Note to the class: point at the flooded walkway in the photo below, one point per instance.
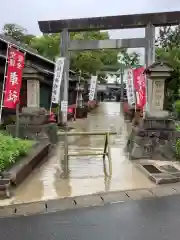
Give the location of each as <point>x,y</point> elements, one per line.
<point>86,173</point>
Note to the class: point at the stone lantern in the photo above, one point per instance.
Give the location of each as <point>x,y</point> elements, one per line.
<point>157,74</point>
<point>81,110</point>
<point>155,136</point>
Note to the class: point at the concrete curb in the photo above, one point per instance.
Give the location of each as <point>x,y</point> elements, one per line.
<point>99,199</point>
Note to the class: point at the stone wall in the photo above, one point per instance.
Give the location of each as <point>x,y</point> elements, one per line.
<point>153,139</point>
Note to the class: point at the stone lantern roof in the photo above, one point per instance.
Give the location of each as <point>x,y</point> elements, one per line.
<point>158,69</point>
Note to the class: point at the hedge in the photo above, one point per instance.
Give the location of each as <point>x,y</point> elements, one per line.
<point>11,149</point>
<point>178,144</point>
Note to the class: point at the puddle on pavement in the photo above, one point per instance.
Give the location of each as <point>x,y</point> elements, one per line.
<point>86,173</point>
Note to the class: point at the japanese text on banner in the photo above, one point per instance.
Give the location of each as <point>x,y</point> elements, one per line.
<point>92,88</point>
<point>140,87</point>
<point>130,88</point>
<point>59,67</point>
<point>14,77</point>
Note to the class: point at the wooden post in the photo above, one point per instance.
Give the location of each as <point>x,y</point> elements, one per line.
<point>86,133</point>
<point>17,120</point>
<point>66,156</point>
<point>109,155</point>
<point>107,180</point>
<point>106,151</point>
<point>104,156</point>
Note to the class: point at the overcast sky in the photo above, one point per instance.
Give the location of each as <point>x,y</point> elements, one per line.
<point>27,12</point>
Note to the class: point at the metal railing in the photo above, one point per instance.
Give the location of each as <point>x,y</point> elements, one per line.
<point>105,153</point>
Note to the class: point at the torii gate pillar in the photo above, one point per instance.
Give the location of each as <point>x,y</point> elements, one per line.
<point>64,44</point>
<point>149,60</point>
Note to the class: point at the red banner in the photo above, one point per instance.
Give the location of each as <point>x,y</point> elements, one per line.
<point>140,86</point>
<point>14,77</point>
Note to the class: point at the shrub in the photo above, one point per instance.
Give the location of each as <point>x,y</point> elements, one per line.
<point>11,149</point>
<point>178,148</point>
<point>177,108</point>
<point>178,143</point>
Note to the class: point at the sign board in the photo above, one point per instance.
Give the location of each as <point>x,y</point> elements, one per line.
<point>33,93</point>
<point>130,88</point>
<point>102,87</point>
<point>58,73</point>
<point>158,95</point>
<point>92,89</point>
<point>64,106</point>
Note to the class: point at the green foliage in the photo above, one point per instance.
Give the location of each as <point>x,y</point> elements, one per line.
<point>130,60</point>
<point>178,127</point>
<point>169,37</point>
<point>168,50</point>
<point>55,110</point>
<point>14,31</point>
<point>177,107</point>
<point>17,32</point>
<point>178,143</point>
<point>47,45</point>
<point>11,150</point>
<point>178,148</point>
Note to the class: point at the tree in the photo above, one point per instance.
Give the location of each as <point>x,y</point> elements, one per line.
<point>168,50</point>
<point>47,45</point>
<point>87,61</point>
<point>17,32</point>
<point>131,60</point>
<point>169,37</point>
<point>92,61</point>
<point>26,39</point>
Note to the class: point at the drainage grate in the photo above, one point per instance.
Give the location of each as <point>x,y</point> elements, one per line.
<point>151,168</point>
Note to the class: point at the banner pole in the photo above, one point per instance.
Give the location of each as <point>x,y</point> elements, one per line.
<point>18,105</point>
<point>77,95</point>
<point>3,86</point>
<point>17,120</point>
<point>50,109</point>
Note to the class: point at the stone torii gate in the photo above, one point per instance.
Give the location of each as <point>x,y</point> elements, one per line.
<point>148,21</point>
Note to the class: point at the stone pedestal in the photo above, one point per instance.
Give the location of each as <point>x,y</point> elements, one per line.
<point>154,138</point>
<point>34,124</point>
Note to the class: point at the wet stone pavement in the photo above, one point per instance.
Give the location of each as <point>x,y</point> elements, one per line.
<point>86,173</point>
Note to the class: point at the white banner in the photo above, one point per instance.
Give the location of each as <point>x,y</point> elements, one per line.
<point>130,88</point>
<point>58,73</point>
<point>92,89</point>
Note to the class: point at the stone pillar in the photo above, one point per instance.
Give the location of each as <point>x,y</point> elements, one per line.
<point>149,60</point>
<point>65,81</point>
<point>33,93</point>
